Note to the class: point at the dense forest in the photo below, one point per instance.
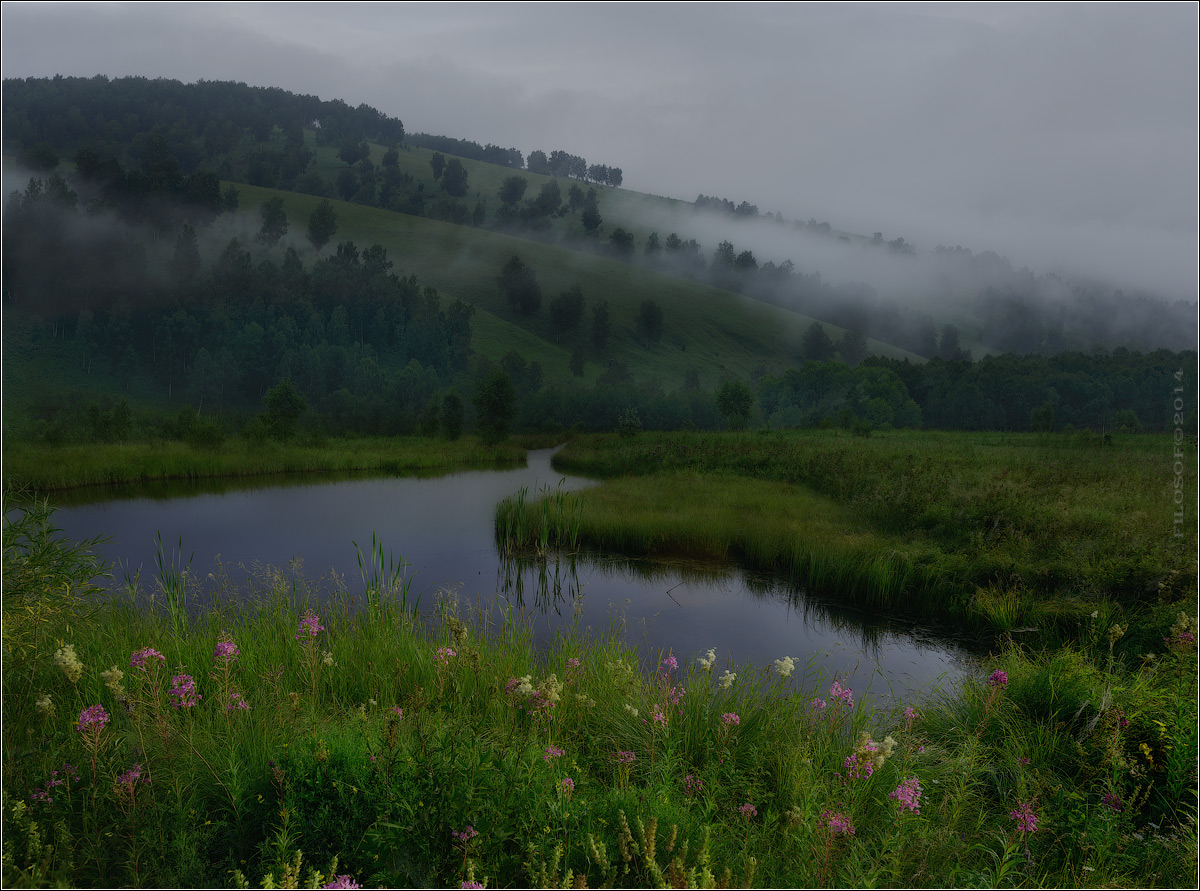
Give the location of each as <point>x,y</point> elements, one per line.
<point>102,257</point>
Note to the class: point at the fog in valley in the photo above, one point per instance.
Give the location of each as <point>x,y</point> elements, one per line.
<point>1062,138</point>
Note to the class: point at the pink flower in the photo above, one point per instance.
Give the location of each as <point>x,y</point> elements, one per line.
<point>342,882</point>
<point>471,885</point>
<point>998,678</point>
<point>730,719</point>
<point>310,626</point>
<point>748,810</point>
<point>183,691</point>
<point>237,702</point>
<point>567,784</point>
<point>842,694</point>
<point>444,655</point>
<point>839,824</point>
<point>626,757</point>
<point>552,752</point>
<point>692,784</point>
<point>139,659</point>
<point>1113,802</point>
<point>92,720</point>
<point>225,652</point>
<point>908,795</point>
<point>1025,817</point>
<point>466,835</point>
<point>131,776</point>
<point>397,711</point>
<point>573,665</point>
<point>669,663</point>
<point>859,765</point>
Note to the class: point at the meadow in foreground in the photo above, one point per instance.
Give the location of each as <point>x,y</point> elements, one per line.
<point>276,742</point>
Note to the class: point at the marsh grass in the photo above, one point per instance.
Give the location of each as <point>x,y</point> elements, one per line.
<point>45,468</point>
<point>378,737</point>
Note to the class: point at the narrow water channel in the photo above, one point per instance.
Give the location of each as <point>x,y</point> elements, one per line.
<point>443,527</point>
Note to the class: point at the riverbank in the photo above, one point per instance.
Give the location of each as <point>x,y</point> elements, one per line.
<point>147,750</point>
<point>1004,531</point>
<point>48,469</point>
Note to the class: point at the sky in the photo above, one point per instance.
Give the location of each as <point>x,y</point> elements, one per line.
<point>1063,136</point>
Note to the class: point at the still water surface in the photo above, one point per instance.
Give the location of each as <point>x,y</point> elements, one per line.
<point>443,527</point>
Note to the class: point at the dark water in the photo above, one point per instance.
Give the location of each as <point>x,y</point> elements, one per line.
<point>443,527</point>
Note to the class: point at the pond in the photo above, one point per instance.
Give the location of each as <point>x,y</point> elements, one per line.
<point>443,527</point>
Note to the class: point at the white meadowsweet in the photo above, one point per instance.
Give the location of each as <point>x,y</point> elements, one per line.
<point>45,706</point>
<point>706,661</point>
<point>327,659</point>
<point>785,666</point>
<point>629,708</point>
<point>112,679</point>
<point>66,659</point>
<point>726,680</point>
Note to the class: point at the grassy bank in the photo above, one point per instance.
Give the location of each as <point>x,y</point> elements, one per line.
<point>443,750</point>
<point>1008,529</point>
<point>49,468</point>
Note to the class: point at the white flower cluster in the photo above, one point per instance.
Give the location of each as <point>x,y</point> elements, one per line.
<point>69,663</point>
<point>112,680</point>
<point>785,666</point>
<point>45,706</point>
<point>706,662</point>
<point>629,708</point>
<point>726,680</point>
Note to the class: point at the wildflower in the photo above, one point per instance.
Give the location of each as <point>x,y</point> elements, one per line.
<point>112,680</point>
<point>342,882</point>
<point>372,703</point>
<point>327,659</point>
<point>692,784</point>
<point>444,655</point>
<point>466,835</point>
<point>659,717</point>
<point>584,699</point>
<point>858,765</point>
<point>92,720</point>
<point>397,711</point>
<point>817,705</point>
<point>45,706</point>
<point>629,708</point>
<point>237,702</point>
<point>310,626</point>
<point>471,885</point>
<point>183,691</point>
<point>669,663</point>
<point>908,795</point>
<point>567,784</point>
<point>730,719</point>
<point>842,694</point>
<point>143,656</point>
<point>458,630</point>
<point>66,659</point>
<point>748,810</point>
<point>551,689</point>
<point>1025,817</point>
<point>706,662</point>
<point>226,651</point>
<point>675,695</point>
<point>131,776</point>
<point>626,757</point>
<point>1023,761</point>
<point>573,665</point>
<point>998,678</point>
<point>1113,802</point>
<point>726,680</point>
<point>839,824</point>
<point>552,752</point>
<point>910,714</point>
<point>785,666</point>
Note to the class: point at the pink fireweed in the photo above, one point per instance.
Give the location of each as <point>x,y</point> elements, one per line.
<point>310,627</point>
<point>908,796</point>
<point>552,752</point>
<point>839,824</point>
<point>692,784</point>
<point>841,694</point>
<point>225,652</point>
<point>466,835</point>
<point>92,720</point>
<point>183,691</point>
<point>1026,819</point>
<point>342,882</point>
<point>131,776</point>
<point>748,810</point>
<point>859,765</point>
<point>142,659</point>
<point>237,702</point>
<point>397,711</point>
<point>567,784</point>
<point>61,777</point>
<point>669,663</point>
<point>573,665</point>
<point>998,678</point>
<point>730,719</point>
<point>1113,802</point>
<point>626,757</point>
<point>444,655</point>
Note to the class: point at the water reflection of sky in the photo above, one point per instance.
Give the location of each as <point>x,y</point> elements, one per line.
<point>443,527</point>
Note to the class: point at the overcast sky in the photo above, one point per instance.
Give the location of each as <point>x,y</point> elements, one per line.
<point>1064,136</point>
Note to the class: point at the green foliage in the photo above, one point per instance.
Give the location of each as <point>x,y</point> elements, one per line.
<point>452,416</point>
<point>495,404</point>
<point>519,286</point>
<point>736,402</point>
<point>285,405</point>
<point>454,180</point>
<point>650,321</point>
<point>274,222</point>
<point>322,225</point>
